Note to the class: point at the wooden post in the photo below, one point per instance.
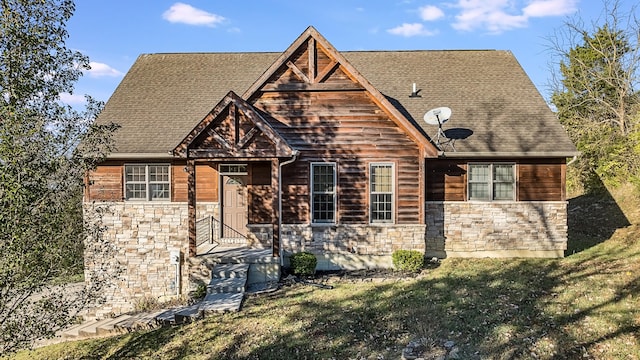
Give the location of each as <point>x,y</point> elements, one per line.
<point>191,199</point>
<point>422,185</point>
<point>275,185</point>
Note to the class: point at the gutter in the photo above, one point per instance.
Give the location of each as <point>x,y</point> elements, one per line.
<point>140,156</point>
<point>294,157</point>
<point>575,157</point>
<point>507,154</point>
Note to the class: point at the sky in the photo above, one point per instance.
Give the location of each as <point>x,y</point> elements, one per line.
<point>114,33</point>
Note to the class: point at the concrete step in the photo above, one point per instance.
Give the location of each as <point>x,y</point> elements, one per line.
<point>221,302</point>
<point>108,327</point>
<point>188,314</point>
<point>222,271</point>
<point>167,317</point>
<point>93,328</point>
<point>230,285</point>
<point>74,332</point>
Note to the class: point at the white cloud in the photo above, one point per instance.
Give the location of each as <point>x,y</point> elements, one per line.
<point>498,16</point>
<point>542,8</point>
<point>72,99</point>
<point>489,14</point>
<point>187,14</point>
<point>430,13</point>
<point>102,70</point>
<point>408,30</point>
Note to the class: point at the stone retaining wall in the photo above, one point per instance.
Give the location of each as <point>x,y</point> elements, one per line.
<point>352,246</point>
<point>141,236</point>
<point>496,229</point>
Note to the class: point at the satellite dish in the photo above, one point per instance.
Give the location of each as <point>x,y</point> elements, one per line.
<point>437,116</point>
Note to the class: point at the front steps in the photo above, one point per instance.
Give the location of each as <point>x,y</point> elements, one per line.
<point>225,292</point>
<point>108,327</point>
<point>233,272</point>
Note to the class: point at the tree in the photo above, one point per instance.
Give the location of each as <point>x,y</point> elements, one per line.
<point>597,98</point>
<point>41,170</point>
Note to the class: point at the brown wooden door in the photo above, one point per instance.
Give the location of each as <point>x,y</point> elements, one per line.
<point>234,206</point>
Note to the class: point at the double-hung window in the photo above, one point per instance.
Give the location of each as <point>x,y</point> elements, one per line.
<point>488,182</point>
<point>323,192</point>
<point>147,182</point>
<point>381,186</point>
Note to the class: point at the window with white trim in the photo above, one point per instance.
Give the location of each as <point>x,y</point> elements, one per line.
<point>381,191</point>
<point>489,181</point>
<point>323,192</point>
<point>147,182</point>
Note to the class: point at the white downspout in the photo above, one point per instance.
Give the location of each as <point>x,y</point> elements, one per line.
<point>293,158</point>
<point>575,157</point>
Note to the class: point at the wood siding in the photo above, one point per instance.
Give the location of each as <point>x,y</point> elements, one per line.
<point>206,182</point>
<point>541,180</point>
<point>537,179</point>
<point>260,194</point>
<point>349,129</point>
<point>446,180</point>
<point>106,183</point>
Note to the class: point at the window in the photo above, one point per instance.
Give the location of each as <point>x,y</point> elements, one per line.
<point>381,186</point>
<point>233,169</point>
<point>323,192</point>
<point>492,182</point>
<point>147,182</point>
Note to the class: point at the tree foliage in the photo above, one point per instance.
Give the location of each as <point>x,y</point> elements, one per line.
<point>597,98</point>
<point>41,169</point>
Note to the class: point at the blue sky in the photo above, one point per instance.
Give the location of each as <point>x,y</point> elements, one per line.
<point>114,33</point>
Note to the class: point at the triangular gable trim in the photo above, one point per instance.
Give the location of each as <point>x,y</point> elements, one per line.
<point>282,148</point>
<point>312,34</point>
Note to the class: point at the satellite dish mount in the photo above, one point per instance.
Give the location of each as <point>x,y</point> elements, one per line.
<point>439,116</point>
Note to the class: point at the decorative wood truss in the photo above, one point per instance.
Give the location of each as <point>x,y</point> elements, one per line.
<point>311,63</point>
<point>233,129</point>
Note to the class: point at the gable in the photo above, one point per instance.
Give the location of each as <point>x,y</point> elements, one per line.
<point>312,64</point>
<point>233,129</point>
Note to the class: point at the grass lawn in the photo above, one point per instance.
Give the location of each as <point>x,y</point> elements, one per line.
<point>585,306</point>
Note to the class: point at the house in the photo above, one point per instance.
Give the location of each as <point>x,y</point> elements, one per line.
<point>318,150</point>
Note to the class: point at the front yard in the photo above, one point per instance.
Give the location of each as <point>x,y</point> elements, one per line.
<point>586,306</point>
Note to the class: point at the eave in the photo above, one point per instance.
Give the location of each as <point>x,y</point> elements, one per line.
<point>507,154</point>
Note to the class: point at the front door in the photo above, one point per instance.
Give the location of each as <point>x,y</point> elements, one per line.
<point>234,206</point>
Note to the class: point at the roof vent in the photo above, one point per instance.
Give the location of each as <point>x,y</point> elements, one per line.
<point>415,92</point>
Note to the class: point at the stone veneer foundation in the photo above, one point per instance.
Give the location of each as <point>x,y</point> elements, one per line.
<point>142,236</point>
<point>496,229</point>
<point>352,246</point>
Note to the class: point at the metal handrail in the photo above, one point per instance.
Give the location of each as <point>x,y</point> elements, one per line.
<point>207,230</point>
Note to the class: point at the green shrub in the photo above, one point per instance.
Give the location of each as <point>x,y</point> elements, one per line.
<point>408,260</point>
<point>199,292</point>
<point>303,263</point>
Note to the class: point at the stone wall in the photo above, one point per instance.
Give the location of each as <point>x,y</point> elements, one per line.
<point>141,236</point>
<point>352,246</point>
<point>260,236</point>
<point>496,229</point>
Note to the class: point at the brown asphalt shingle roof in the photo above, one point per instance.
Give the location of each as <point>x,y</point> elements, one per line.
<point>163,96</point>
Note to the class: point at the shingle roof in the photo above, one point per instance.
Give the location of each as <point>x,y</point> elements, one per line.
<point>163,96</point>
